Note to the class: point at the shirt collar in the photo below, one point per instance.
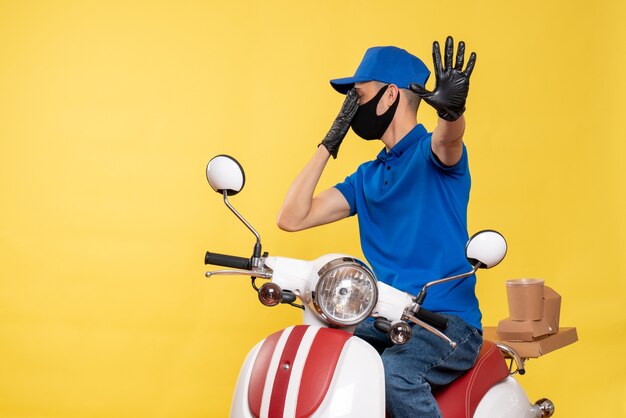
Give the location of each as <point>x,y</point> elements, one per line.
<point>405,143</point>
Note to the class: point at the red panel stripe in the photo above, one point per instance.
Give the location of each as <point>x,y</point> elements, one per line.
<point>259,372</point>
<point>281,381</point>
<point>319,369</point>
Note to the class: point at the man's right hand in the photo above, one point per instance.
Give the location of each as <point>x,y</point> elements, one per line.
<point>452,83</point>
<point>340,127</point>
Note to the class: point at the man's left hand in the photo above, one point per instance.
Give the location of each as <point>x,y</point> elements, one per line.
<point>452,83</point>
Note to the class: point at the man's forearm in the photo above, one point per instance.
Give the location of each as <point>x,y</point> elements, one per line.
<point>450,132</point>
<point>447,141</point>
<point>299,198</point>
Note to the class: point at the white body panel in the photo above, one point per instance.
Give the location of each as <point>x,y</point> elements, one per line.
<point>299,277</point>
<point>291,274</point>
<point>239,408</point>
<point>391,302</point>
<point>358,387</point>
<point>507,399</point>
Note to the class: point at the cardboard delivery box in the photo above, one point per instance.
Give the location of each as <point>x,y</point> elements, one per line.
<point>551,308</point>
<point>510,330</point>
<point>530,337</point>
<point>529,330</point>
<point>539,347</point>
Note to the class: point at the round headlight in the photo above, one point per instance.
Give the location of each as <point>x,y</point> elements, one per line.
<point>346,291</point>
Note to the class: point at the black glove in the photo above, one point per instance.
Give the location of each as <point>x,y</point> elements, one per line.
<point>340,127</point>
<point>452,84</point>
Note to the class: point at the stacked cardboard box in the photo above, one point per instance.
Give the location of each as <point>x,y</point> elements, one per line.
<point>533,338</point>
<point>529,329</point>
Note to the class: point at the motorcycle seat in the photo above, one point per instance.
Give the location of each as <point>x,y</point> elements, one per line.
<point>461,398</point>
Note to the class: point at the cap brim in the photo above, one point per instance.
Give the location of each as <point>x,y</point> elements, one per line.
<point>343,85</point>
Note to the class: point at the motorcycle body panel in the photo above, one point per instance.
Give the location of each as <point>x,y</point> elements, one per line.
<point>507,399</point>
<point>330,374</point>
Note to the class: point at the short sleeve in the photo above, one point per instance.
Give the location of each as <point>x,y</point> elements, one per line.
<point>347,189</point>
<point>460,168</point>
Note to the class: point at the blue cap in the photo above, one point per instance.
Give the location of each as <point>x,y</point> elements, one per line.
<point>387,64</point>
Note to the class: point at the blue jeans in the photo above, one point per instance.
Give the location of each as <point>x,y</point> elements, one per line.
<point>424,363</point>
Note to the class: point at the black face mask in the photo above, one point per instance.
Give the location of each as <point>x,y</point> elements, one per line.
<point>367,124</point>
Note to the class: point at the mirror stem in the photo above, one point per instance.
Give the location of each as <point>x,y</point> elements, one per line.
<point>257,246</point>
<point>419,300</point>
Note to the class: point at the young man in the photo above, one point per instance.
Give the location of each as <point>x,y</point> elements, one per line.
<point>411,203</point>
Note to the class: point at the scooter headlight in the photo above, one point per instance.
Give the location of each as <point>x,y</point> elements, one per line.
<point>346,292</point>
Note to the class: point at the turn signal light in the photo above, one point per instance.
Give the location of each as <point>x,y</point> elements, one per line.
<point>270,294</point>
<point>400,333</point>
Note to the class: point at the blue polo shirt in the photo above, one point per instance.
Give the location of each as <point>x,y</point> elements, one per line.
<point>412,213</point>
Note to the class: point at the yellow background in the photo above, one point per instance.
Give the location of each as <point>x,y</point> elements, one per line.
<point>110,110</point>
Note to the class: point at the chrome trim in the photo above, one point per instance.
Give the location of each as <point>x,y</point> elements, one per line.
<point>447,279</point>
<point>546,407</point>
<point>512,354</point>
<point>338,263</point>
<point>241,218</point>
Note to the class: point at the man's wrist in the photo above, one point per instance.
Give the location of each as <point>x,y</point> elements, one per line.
<point>324,150</point>
<point>450,131</point>
<point>450,115</point>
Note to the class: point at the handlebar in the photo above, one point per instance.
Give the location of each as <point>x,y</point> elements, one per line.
<point>226,260</point>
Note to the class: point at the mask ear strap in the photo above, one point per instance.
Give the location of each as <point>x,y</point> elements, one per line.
<point>379,95</point>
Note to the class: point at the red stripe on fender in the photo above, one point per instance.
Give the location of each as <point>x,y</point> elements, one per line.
<point>281,381</point>
<point>259,372</point>
<point>319,369</point>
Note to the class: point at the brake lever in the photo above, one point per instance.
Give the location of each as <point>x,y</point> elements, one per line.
<point>252,273</point>
<point>434,330</point>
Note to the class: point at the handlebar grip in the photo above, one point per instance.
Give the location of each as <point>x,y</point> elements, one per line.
<point>225,260</point>
<point>432,318</point>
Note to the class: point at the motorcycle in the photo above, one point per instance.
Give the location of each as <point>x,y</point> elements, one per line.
<point>319,368</point>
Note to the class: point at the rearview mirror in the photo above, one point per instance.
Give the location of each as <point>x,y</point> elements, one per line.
<point>225,174</point>
<point>487,248</point>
